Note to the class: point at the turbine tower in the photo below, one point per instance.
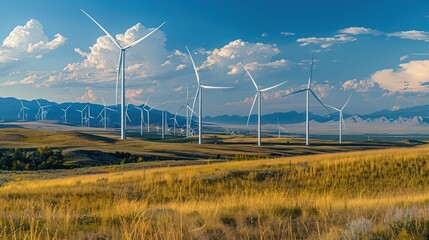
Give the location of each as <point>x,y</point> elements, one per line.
<point>148,114</point>
<point>88,120</point>
<point>259,98</point>
<point>81,115</point>
<point>199,94</point>
<point>65,113</point>
<point>121,69</point>
<point>341,122</point>
<point>308,90</point>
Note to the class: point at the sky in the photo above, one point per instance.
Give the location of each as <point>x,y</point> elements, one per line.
<point>378,51</point>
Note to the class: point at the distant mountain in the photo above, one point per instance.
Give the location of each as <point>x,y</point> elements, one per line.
<point>11,107</point>
<point>283,118</point>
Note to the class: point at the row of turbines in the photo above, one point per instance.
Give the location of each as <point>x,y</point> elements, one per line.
<point>85,119</point>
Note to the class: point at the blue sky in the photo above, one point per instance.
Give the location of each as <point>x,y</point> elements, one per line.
<point>376,50</point>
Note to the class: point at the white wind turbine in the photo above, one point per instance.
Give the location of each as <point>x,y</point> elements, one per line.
<point>148,114</point>
<point>65,113</point>
<point>42,113</point>
<point>121,67</point>
<point>175,123</point>
<point>22,111</point>
<point>279,127</point>
<point>142,117</point>
<point>308,90</point>
<point>258,97</point>
<point>88,119</point>
<point>199,94</point>
<point>341,122</point>
<point>81,115</point>
<point>103,113</point>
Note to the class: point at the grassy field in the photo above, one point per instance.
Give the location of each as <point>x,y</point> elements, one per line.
<point>90,147</point>
<point>378,194</point>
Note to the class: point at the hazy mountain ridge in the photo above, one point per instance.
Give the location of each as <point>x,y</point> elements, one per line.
<point>11,106</point>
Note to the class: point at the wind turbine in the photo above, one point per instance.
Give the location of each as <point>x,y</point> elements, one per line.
<point>308,90</point>
<point>142,109</point>
<point>148,115</point>
<point>121,66</point>
<point>279,127</point>
<point>104,112</point>
<point>175,123</point>
<point>42,113</point>
<point>65,113</point>
<point>199,94</point>
<point>259,98</point>
<point>81,114</point>
<point>22,111</point>
<point>341,116</point>
<point>88,119</point>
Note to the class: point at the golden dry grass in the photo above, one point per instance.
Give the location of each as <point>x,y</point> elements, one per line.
<point>381,194</point>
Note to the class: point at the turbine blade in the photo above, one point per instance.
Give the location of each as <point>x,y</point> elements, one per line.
<point>319,100</point>
<point>251,78</point>
<point>190,109</point>
<point>141,39</point>
<point>104,103</point>
<point>104,30</point>
<point>100,113</point>
<point>302,90</point>
<point>345,104</point>
<point>311,71</point>
<point>152,107</point>
<point>336,109</point>
<point>110,109</point>
<point>195,99</point>
<point>145,104</point>
<point>195,68</point>
<point>278,85</point>
<point>118,76</point>
<point>251,109</point>
<point>214,87</point>
<point>342,120</point>
<point>68,107</point>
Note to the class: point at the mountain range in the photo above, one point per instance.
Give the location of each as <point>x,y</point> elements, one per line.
<point>11,107</point>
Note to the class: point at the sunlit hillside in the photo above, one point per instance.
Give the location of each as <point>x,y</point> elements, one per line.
<point>380,194</point>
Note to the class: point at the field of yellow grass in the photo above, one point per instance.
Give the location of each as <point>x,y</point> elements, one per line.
<point>379,194</point>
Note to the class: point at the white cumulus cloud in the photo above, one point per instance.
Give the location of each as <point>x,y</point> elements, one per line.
<point>358,86</point>
<point>408,77</point>
<point>256,56</point>
<point>28,42</point>
<point>89,96</point>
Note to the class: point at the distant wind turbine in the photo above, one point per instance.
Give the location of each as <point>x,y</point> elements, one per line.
<point>81,115</point>
<point>22,111</point>
<point>341,121</point>
<point>199,94</point>
<point>65,113</point>
<point>308,90</point>
<point>121,67</point>
<point>142,116</point>
<point>42,112</point>
<point>258,96</point>
<point>104,112</point>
